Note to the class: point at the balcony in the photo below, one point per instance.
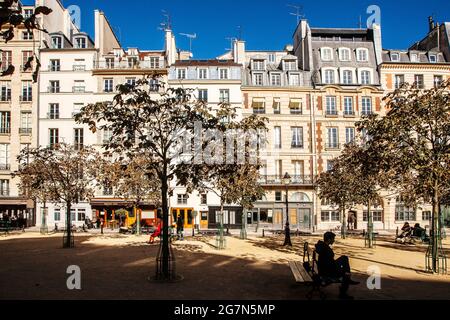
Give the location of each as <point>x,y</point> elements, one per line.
<point>296,145</point>
<point>5,167</point>
<point>26,98</point>
<point>5,131</point>
<point>349,113</point>
<point>116,65</point>
<point>4,192</point>
<point>296,180</point>
<point>331,113</point>
<point>79,67</point>
<point>53,116</point>
<point>79,89</point>
<point>259,111</point>
<point>296,111</point>
<point>332,146</point>
<point>25,131</point>
<point>54,68</point>
<point>5,98</point>
<point>54,89</point>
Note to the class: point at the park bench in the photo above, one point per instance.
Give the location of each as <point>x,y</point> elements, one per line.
<point>306,273</point>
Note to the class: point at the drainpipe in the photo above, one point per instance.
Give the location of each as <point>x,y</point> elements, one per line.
<point>314,155</point>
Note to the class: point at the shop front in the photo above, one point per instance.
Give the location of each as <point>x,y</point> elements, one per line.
<point>232,217</point>
<point>19,211</point>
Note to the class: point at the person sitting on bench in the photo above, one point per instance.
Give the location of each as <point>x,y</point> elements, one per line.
<point>155,234</point>
<point>330,268</point>
<point>406,233</point>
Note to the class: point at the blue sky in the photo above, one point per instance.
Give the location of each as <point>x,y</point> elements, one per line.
<point>266,25</point>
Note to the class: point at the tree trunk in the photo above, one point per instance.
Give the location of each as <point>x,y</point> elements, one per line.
<point>68,225</point>
<point>435,233</point>
<point>369,225</point>
<point>138,220</point>
<point>165,211</point>
<point>221,246</point>
<point>343,227</point>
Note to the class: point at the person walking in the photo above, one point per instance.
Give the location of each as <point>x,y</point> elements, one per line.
<point>180,228</point>
<point>102,224</point>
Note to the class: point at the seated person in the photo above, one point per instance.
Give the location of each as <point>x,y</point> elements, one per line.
<point>406,232</point>
<point>330,268</point>
<point>418,231</point>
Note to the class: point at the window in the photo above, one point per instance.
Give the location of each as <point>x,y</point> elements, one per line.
<point>109,63</point>
<point>55,65</point>
<point>399,80</point>
<point>294,79</point>
<point>272,58</point>
<point>203,73</point>
<point>275,79</point>
<point>362,55</point>
<point>258,65</point>
<point>107,135</point>
<point>329,216</point>
<point>27,35</point>
<point>5,59</point>
<point>433,58</point>
<point>203,199</point>
<point>295,105</point>
<point>4,187</point>
<point>344,54</point>
<point>437,81</point>
<point>347,77</point>
<point>365,77</point>
<point>259,107</point>
<point>108,85</point>
<point>426,215</point>
<point>276,106</point>
<point>279,168</point>
<point>131,81</point>
<point>81,214</point>
<point>223,74</point>
<point>330,102</point>
<point>418,81</point>
<point>277,137</point>
<point>26,55</point>
<point>27,13</point>
<point>54,86</point>
<point>182,198</point>
<point>224,96</point>
<point>258,79</point>
<point>80,42</point>
<point>72,215</point>
<point>366,106</point>
<point>297,137</point>
<point>5,122</point>
<point>329,76</point>
<point>108,191</point>
<point>348,106</point>
<point>77,108</point>
<point>290,65</point>
<point>377,216</point>
<point>5,90</point>
<point>203,95</point>
<point>25,122</point>
<point>79,86</point>
<point>57,215</point>
<point>349,135</point>
<point>132,62</point>
<point>79,65</point>
<point>154,85</point>
<point>181,73</point>
<point>57,42</point>
<point>414,57</point>
<point>278,196</point>
<point>154,62</point>
<point>327,54</point>
<point>404,213</point>
<point>5,163</point>
<point>78,140</point>
<point>27,91</point>
<point>333,138</point>
<point>53,137</point>
<point>53,111</point>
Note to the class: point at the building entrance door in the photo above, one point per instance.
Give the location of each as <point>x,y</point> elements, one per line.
<point>304,219</point>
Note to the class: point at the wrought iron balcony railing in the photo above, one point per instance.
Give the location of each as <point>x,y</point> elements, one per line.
<point>275,180</point>
<point>25,131</point>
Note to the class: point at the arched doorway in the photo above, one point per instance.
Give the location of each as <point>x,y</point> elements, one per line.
<point>300,211</point>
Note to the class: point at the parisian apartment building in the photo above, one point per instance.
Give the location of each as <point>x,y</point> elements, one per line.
<point>313,91</point>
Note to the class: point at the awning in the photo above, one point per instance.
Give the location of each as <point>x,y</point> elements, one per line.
<point>295,103</point>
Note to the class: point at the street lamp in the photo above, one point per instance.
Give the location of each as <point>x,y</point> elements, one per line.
<point>287,230</point>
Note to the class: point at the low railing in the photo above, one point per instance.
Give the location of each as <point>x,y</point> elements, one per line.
<point>5,167</point>
<point>103,65</point>
<point>332,146</point>
<point>25,131</point>
<point>4,192</point>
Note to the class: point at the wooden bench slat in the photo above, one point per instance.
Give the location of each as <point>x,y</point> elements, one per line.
<point>295,271</point>
<point>305,275</point>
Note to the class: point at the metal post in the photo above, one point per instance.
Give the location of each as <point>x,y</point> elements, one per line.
<point>287,230</point>
<point>44,227</point>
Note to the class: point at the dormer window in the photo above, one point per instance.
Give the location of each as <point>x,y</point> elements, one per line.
<point>223,74</point>
<point>414,57</point>
<point>80,42</point>
<point>203,74</point>
<point>344,54</point>
<point>395,57</point>
<point>362,55</point>
<point>181,73</point>
<point>290,65</point>
<point>433,58</point>
<point>327,54</point>
<point>328,76</point>
<point>272,58</point>
<point>57,42</point>
<point>258,65</point>
<point>132,62</point>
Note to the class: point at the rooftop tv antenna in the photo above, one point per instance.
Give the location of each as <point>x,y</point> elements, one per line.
<point>231,39</point>
<point>298,9</point>
<point>239,29</point>
<point>167,23</point>
<point>190,37</point>
<point>360,22</point>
